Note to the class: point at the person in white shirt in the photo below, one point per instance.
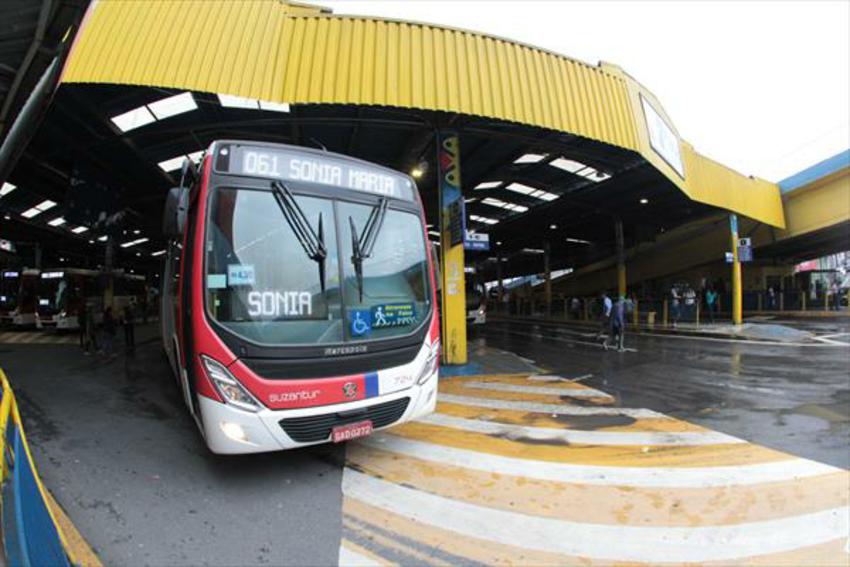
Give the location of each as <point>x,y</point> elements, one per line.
<point>604,316</point>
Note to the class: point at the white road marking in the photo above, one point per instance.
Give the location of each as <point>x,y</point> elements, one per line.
<point>559,409</point>
<point>520,432</point>
<point>686,337</point>
<point>563,340</point>
<point>556,378</point>
<point>600,541</point>
<point>572,392</point>
<point>655,477</point>
<point>348,557</point>
<point>833,335</point>
<point>829,341</point>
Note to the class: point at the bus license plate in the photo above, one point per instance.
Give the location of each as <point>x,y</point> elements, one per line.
<point>351,431</point>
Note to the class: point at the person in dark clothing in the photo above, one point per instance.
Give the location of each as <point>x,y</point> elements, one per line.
<point>604,316</point>
<point>129,327</point>
<point>711,303</point>
<point>108,332</point>
<point>618,325</point>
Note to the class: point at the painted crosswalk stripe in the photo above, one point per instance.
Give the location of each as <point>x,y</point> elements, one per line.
<point>555,409</point>
<point>607,504</point>
<point>348,557</point>
<point>645,544</point>
<point>581,437</point>
<point>682,477</point>
<point>550,391</point>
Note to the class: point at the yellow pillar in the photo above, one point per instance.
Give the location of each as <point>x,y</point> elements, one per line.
<point>737,316</point>
<point>803,299</point>
<point>759,302</point>
<point>547,267</point>
<point>451,238</point>
<point>621,258</point>
<point>664,308</point>
<point>636,314</point>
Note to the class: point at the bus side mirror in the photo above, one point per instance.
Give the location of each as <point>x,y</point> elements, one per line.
<point>174,214</point>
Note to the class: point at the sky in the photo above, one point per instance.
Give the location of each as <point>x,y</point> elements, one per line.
<point>763,87</point>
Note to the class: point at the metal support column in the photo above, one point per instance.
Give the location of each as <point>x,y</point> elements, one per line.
<point>737,292</point>
<point>452,228</point>
<point>547,269</point>
<point>621,258</point>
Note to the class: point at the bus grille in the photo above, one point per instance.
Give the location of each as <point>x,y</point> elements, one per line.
<point>318,427</point>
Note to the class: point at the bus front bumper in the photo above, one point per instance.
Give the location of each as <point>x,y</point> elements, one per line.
<point>229,430</point>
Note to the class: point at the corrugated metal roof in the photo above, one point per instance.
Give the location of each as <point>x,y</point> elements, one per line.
<point>285,53</point>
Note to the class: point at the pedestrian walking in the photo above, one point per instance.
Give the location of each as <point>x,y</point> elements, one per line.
<point>711,303</point>
<point>675,305</point>
<point>108,332</point>
<point>604,316</point>
<point>836,295</point>
<point>129,327</point>
<point>618,325</point>
<point>771,298</point>
<point>575,307</point>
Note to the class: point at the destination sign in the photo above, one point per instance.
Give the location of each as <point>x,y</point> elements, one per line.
<point>288,165</point>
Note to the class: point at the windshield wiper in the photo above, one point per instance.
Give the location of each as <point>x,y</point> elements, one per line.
<point>362,247</point>
<point>312,243</point>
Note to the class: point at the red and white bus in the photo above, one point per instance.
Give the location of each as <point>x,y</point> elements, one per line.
<point>23,313</point>
<point>63,293</point>
<point>298,301</point>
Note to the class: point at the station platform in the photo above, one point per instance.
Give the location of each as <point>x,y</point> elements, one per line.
<point>768,328</point>
<point>530,458</point>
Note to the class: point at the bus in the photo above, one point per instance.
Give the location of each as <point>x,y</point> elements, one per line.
<point>10,284</point>
<point>23,313</point>
<point>298,297</point>
<point>63,293</point>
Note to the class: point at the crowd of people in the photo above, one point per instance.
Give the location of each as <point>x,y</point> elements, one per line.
<point>100,339</point>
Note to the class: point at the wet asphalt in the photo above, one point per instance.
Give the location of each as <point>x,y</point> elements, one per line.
<point>791,398</point>
<point>114,444</point>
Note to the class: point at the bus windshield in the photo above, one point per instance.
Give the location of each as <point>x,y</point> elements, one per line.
<point>54,292</point>
<point>9,285</point>
<point>263,285</point>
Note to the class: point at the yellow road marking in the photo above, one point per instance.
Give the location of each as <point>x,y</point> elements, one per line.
<point>449,388</point>
<point>607,504</point>
<point>593,423</point>
<point>79,550</point>
<point>632,456</point>
<point>438,539</point>
<point>517,379</point>
<point>821,555</point>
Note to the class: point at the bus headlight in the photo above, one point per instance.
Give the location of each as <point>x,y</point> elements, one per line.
<point>228,387</point>
<point>430,364</point>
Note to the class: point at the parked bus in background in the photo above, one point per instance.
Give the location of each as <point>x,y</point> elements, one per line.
<point>63,293</point>
<point>23,315</point>
<point>298,301</point>
<point>10,284</point>
<point>128,289</point>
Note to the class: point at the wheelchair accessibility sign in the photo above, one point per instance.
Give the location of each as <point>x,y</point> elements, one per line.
<point>361,322</point>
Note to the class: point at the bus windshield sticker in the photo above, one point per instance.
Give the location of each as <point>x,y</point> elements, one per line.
<point>393,315</point>
<point>361,323</point>
<point>309,168</point>
<point>240,274</point>
<point>216,281</point>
